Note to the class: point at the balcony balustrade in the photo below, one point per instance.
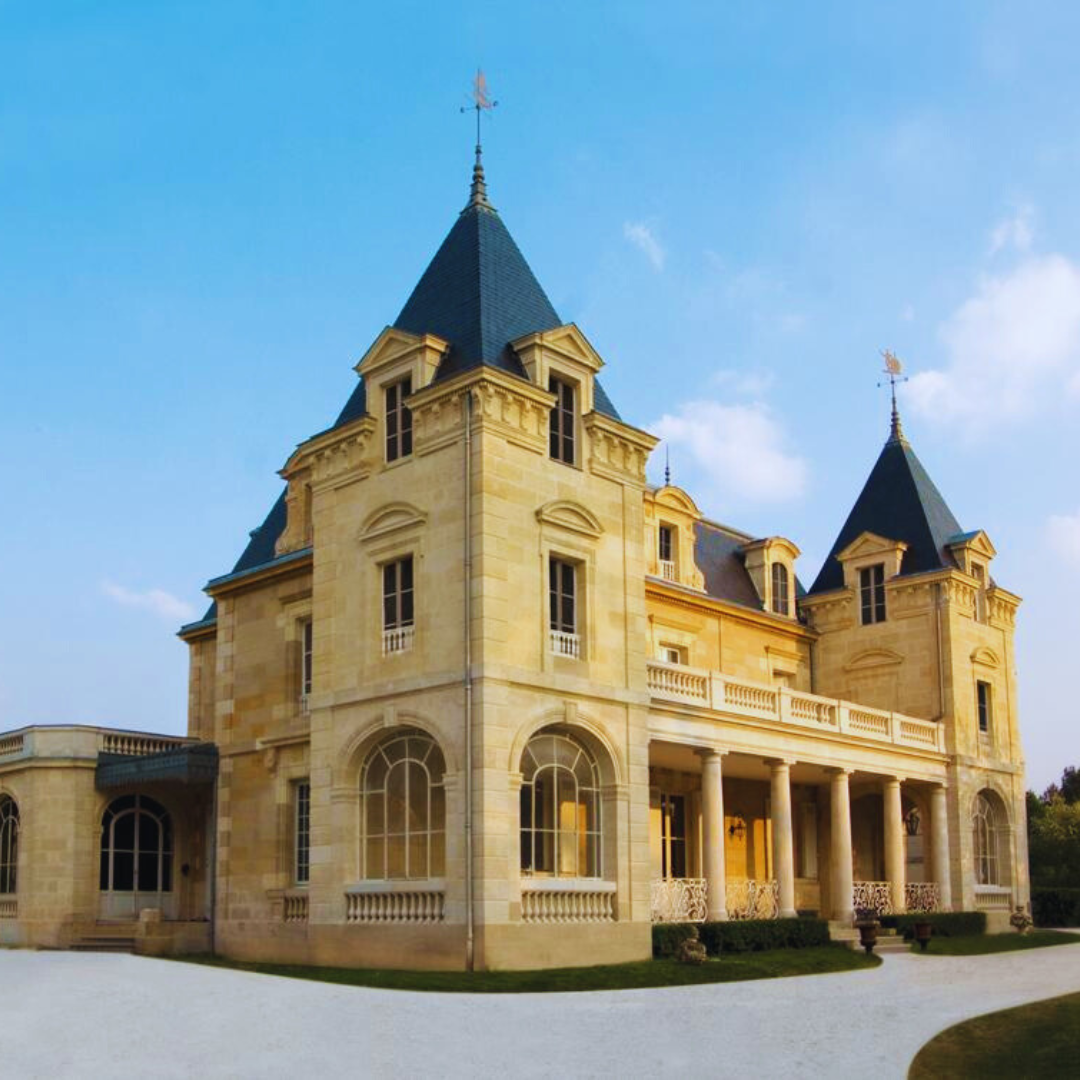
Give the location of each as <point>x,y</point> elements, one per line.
<point>667,570</point>
<point>739,697</point>
<point>398,640</point>
<point>563,644</point>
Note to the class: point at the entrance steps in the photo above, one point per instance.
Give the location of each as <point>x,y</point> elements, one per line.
<point>888,940</point>
<point>115,938</point>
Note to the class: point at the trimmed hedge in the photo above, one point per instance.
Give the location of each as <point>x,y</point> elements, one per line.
<point>743,936</point>
<point>945,923</point>
<point>1055,907</point>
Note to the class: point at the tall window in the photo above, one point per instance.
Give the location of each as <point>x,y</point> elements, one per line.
<point>562,596</point>
<point>673,836</point>
<point>397,605</point>
<point>302,832</point>
<point>398,420</point>
<point>872,593</point>
<point>984,702</point>
<point>560,808</point>
<point>986,834</point>
<point>307,638</point>
<point>403,806</point>
<point>9,844</point>
<point>666,552</point>
<point>781,602</point>
<point>136,846</point>
<point>561,434</point>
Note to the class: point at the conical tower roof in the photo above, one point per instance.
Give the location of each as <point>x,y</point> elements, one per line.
<point>899,501</point>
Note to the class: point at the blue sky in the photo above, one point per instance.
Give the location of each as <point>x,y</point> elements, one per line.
<point>209,211</point>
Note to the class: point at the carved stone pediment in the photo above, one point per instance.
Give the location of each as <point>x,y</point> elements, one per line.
<point>389,519</point>
<point>570,515</point>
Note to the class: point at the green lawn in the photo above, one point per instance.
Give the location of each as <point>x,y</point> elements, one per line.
<point>995,943</point>
<point>1038,1040</point>
<point>648,973</point>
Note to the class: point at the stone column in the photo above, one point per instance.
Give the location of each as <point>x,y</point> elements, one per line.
<point>940,869</point>
<point>840,848</point>
<point>783,849</point>
<point>712,839</point>
<point>894,842</point>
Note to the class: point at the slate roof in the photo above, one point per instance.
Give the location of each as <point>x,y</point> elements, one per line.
<point>479,294</point>
<point>899,501</point>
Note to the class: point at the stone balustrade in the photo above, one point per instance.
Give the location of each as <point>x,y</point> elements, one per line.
<point>724,694</point>
<point>395,905</point>
<point>9,908</point>
<point>567,900</point>
<point>295,909</point>
<point>132,745</point>
<point>12,744</point>
<point>992,898</point>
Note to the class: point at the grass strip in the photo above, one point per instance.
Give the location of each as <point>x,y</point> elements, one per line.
<point>1036,1040</point>
<point>995,943</point>
<point>778,963</point>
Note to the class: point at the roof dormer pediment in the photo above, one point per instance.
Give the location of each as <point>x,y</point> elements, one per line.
<point>674,498</point>
<point>394,348</point>
<point>977,542</point>
<point>866,545</point>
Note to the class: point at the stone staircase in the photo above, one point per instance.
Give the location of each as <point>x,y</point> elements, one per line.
<point>888,941</point>
<point>110,938</point>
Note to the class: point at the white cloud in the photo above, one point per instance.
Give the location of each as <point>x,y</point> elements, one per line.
<point>1015,232</point>
<point>1063,533</point>
<point>1013,345</point>
<point>739,449</point>
<point>158,601</point>
<point>642,237</point>
<point>750,383</point>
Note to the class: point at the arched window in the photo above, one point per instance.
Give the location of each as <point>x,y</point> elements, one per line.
<point>136,846</point>
<point>560,808</point>
<point>9,844</point>
<point>403,809</point>
<point>781,602</point>
<point>987,824</point>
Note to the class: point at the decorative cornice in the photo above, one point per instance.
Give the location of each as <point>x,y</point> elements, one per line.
<point>617,451</point>
<point>285,566</point>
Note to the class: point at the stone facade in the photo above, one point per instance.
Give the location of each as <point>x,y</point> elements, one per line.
<point>651,719</point>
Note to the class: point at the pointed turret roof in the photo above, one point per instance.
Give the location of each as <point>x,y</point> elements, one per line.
<point>900,502</point>
<point>478,293</point>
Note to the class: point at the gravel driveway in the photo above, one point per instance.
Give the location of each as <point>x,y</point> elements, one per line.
<point>96,1015</point>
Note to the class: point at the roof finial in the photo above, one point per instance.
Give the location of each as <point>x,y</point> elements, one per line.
<point>481,102</point>
<point>894,369</point>
<point>667,465</point>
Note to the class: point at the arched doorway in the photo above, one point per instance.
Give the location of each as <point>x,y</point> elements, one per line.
<point>136,858</point>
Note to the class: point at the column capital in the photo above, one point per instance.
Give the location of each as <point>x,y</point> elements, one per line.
<point>777,762</point>
<point>836,771</point>
<point>887,781</point>
<point>708,752</point>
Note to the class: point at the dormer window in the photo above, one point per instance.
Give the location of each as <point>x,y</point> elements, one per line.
<point>872,593</point>
<point>666,552</point>
<point>398,420</point>
<point>561,436</point>
<point>781,601</point>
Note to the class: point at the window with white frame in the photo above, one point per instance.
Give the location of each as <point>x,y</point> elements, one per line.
<point>672,654</point>
<point>9,844</point>
<point>872,593</point>
<point>986,826</point>
<point>984,705</point>
<point>560,808</point>
<point>307,654</point>
<point>398,420</point>
<point>302,832</point>
<point>561,426</point>
<point>397,598</point>
<point>403,809</point>
<point>666,552</point>
<point>563,607</point>
<point>781,589</point>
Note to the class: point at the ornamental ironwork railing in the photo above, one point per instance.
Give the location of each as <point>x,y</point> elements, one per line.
<point>875,896</point>
<point>679,900</point>
<point>922,896</point>
<point>753,899</point>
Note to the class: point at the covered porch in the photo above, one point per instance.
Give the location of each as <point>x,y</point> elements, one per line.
<point>743,835</point>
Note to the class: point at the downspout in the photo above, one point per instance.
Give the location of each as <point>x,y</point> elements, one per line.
<point>211,865</point>
<point>940,654</point>
<point>469,919</point>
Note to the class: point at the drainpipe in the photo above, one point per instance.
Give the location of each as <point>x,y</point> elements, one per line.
<point>940,654</point>
<point>469,920</point>
<point>211,865</point>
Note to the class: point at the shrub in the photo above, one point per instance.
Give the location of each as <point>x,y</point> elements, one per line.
<point>1055,907</point>
<point>945,923</point>
<point>755,935</point>
<point>667,937</point>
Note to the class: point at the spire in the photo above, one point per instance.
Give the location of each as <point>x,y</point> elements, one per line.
<point>894,369</point>
<point>478,190</point>
<point>667,465</point>
<point>896,431</point>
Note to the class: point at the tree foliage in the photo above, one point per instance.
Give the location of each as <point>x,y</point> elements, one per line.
<point>1054,832</point>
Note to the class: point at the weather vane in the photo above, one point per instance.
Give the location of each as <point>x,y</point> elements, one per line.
<point>481,102</point>
<point>894,369</point>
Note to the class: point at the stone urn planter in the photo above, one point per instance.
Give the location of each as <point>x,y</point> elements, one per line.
<point>923,929</point>
<point>866,922</point>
